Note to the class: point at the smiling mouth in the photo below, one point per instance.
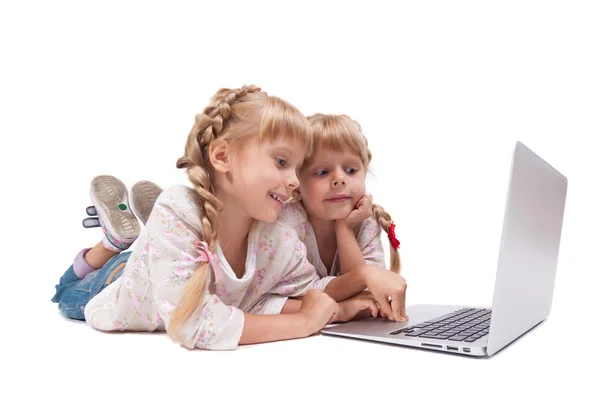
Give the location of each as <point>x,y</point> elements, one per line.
<point>280,199</point>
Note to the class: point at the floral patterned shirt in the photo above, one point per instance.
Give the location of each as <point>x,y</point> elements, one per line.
<point>164,258</point>
<point>368,236</point>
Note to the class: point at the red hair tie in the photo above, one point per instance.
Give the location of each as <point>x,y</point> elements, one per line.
<point>392,236</point>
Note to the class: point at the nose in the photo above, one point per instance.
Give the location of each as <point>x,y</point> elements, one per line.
<point>292,181</point>
<point>338,180</point>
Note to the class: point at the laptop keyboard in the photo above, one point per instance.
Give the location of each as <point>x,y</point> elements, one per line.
<point>464,325</point>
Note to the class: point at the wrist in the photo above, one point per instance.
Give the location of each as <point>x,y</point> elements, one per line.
<point>340,312</point>
<point>341,225</point>
<point>363,274</point>
<point>306,325</point>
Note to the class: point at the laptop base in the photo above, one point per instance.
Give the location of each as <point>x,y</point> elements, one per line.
<point>379,330</point>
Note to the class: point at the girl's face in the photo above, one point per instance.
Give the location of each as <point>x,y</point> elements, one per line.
<point>332,183</point>
<point>263,176</point>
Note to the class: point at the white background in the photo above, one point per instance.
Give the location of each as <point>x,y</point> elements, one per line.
<point>442,89</point>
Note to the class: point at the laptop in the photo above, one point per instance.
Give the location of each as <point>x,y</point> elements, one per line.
<point>525,275</point>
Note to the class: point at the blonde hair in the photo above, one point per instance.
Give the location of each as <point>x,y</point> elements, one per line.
<point>340,132</point>
<point>232,115</point>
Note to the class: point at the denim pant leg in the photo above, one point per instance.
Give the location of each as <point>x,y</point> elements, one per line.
<point>72,293</point>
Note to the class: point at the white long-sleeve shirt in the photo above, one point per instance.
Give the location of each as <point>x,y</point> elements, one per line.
<point>164,258</point>
<point>368,236</point>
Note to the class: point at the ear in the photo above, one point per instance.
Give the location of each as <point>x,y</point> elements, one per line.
<point>219,153</point>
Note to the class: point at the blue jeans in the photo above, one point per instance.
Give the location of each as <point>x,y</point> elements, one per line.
<point>73,293</point>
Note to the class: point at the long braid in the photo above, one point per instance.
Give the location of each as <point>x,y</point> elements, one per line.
<point>207,127</point>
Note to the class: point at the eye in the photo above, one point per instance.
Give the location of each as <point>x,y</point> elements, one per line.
<point>281,162</point>
<point>351,170</point>
<point>321,172</point>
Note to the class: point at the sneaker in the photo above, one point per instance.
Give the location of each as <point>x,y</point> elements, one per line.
<point>91,222</point>
<point>110,200</point>
<point>91,211</point>
<point>143,197</point>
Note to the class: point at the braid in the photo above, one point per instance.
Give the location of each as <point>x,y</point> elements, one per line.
<point>384,220</point>
<point>207,127</point>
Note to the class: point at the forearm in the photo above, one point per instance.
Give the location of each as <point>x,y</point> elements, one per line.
<point>347,285</point>
<point>348,250</point>
<point>271,328</point>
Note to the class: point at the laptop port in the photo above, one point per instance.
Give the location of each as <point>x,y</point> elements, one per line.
<point>432,345</point>
<point>452,348</point>
<point>466,349</point>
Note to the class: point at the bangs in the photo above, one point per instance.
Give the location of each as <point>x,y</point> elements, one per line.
<point>283,121</point>
<point>339,133</point>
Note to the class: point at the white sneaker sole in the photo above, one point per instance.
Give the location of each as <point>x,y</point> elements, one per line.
<point>143,197</point>
<point>109,197</point>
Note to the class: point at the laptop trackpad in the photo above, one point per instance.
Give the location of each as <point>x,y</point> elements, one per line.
<point>380,327</point>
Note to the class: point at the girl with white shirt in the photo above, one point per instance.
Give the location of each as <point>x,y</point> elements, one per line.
<point>335,219</point>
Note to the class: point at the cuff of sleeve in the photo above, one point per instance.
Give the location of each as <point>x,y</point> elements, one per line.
<point>375,262</point>
<point>322,283</point>
<point>222,333</point>
<point>274,304</point>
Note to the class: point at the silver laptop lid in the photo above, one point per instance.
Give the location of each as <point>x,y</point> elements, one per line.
<point>529,248</point>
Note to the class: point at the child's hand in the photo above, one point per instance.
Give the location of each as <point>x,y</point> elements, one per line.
<point>362,305</point>
<point>389,290</point>
<point>318,309</point>
<point>362,211</point>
